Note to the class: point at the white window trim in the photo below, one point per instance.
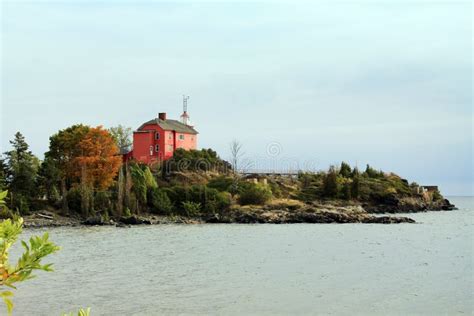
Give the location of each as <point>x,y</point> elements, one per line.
<point>181,136</point>
<point>151,150</point>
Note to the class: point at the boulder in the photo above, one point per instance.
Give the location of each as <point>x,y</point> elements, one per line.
<point>387,220</point>
<point>134,220</point>
<point>93,221</point>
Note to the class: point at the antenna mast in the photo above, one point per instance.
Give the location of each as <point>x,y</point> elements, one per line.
<point>185,116</point>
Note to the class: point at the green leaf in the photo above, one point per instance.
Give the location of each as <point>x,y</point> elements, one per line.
<point>9,304</point>
<point>30,260</point>
<point>6,294</point>
<point>83,312</point>
<point>25,245</point>
<point>3,195</point>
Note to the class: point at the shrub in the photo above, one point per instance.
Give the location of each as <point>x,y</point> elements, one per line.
<point>102,201</point>
<point>275,188</point>
<point>192,209</point>
<point>217,202</point>
<point>254,193</point>
<point>311,186</point>
<point>139,182</point>
<point>211,200</point>
<point>346,193</point>
<point>5,212</point>
<point>355,187</point>
<point>161,203</point>
<point>437,196</point>
<point>177,195</point>
<point>221,183</point>
<point>150,180</point>
<point>21,203</point>
<point>372,173</point>
<point>196,160</point>
<point>74,199</point>
<point>105,216</point>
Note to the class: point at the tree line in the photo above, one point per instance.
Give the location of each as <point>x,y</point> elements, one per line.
<point>80,157</point>
<point>347,183</point>
<point>83,174</point>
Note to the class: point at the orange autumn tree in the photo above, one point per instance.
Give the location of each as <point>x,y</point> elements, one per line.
<point>98,161</point>
<point>97,165</point>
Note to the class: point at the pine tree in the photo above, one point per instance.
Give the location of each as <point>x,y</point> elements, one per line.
<point>49,180</point>
<point>371,172</point>
<point>3,174</point>
<point>355,187</point>
<point>22,170</point>
<point>345,170</point>
<point>330,186</point>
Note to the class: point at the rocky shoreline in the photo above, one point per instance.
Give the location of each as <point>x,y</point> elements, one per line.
<point>305,215</point>
<point>276,212</point>
<point>408,205</point>
<point>241,215</point>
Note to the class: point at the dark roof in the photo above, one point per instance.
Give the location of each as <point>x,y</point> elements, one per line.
<point>170,125</point>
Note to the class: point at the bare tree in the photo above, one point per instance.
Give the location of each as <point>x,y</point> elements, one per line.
<point>235,155</point>
<point>238,164</point>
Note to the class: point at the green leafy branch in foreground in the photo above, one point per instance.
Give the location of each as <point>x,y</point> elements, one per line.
<point>38,248</point>
<point>81,312</point>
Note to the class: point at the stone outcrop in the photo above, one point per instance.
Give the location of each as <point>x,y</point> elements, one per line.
<point>94,221</point>
<point>309,214</point>
<point>134,220</point>
<point>408,205</point>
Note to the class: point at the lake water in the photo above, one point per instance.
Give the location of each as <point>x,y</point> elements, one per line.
<point>337,269</point>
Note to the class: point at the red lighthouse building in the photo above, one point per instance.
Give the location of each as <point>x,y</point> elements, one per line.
<point>157,139</point>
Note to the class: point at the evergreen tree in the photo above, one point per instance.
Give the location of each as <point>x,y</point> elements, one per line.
<point>22,169</point>
<point>355,187</point>
<point>345,170</point>
<point>3,174</point>
<point>330,187</point>
<point>347,191</point>
<point>49,179</point>
<point>372,173</point>
<point>355,172</point>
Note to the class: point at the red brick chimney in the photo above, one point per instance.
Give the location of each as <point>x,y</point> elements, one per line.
<point>162,116</point>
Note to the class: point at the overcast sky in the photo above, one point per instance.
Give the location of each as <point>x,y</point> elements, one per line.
<point>382,82</point>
